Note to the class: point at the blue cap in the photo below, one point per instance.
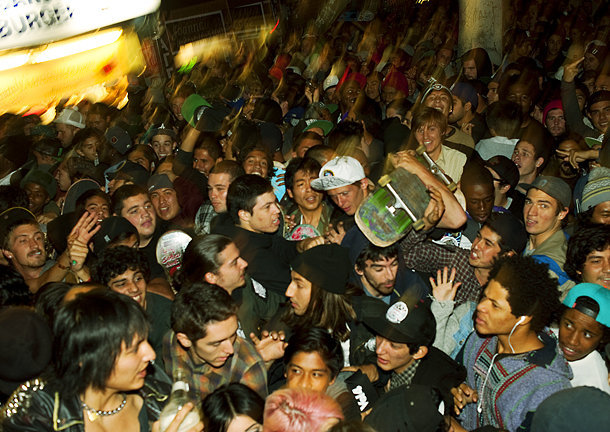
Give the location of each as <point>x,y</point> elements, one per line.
<point>595,292</point>
<point>467,92</point>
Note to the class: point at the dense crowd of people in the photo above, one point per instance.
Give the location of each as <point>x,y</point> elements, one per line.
<point>206,234</point>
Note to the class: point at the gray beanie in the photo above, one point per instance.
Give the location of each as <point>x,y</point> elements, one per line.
<point>597,189</point>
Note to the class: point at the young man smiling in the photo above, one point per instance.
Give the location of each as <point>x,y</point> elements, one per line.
<point>125,270</point>
<point>205,343</point>
<point>546,206</point>
<point>132,203</point>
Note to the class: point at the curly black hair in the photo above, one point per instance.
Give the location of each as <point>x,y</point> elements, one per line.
<point>115,261</point>
<point>531,290</point>
<point>582,243</point>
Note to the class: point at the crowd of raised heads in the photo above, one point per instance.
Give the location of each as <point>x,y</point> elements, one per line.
<point>216,246</point>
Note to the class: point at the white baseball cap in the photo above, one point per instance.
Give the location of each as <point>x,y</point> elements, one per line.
<point>338,172</point>
<point>71,116</point>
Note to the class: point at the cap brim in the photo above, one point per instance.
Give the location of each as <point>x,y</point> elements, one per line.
<point>325,125</point>
<point>190,106</point>
<point>382,327</point>
<point>592,142</point>
<point>328,183</point>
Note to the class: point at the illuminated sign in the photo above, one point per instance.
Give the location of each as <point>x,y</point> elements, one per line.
<point>46,83</point>
<point>34,22</point>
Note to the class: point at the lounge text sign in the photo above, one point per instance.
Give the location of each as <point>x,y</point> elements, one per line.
<point>33,22</point>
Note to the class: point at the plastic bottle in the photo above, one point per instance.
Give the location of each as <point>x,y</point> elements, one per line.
<point>177,400</point>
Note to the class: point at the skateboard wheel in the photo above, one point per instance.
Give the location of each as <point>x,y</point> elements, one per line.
<point>418,224</point>
<point>420,150</point>
<point>452,187</point>
<point>384,180</point>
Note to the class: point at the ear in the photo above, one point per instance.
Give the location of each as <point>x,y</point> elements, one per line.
<point>80,153</point>
<point>7,254</point>
<point>564,213</point>
<point>358,271</point>
<point>525,320</point>
<point>364,183</point>
<point>468,106</point>
<point>220,159</point>
<point>289,192</point>
<point>244,215</point>
<point>47,200</point>
<point>210,278</point>
<point>421,353</point>
<point>184,340</point>
<point>504,189</point>
<point>539,162</point>
<point>509,254</point>
<point>152,167</point>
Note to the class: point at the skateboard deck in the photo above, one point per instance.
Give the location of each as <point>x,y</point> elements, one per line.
<point>388,214</point>
<point>423,157</point>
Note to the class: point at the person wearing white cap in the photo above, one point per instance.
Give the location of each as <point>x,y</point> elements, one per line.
<point>346,184</point>
<point>67,123</point>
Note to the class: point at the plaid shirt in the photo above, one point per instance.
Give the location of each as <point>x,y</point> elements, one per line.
<point>204,216</point>
<point>426,256</point>
<point>245,366</point>
<point>404,378</point>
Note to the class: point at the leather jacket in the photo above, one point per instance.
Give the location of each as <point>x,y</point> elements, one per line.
<point>35,406</point>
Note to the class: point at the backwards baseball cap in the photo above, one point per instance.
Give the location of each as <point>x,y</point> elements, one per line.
<point>161,130</point>
<point>50,147</point>
<point>467,92</point>
<point>12,215</point>
<point>338,172</point>
<point>553,186</point>
<point>159,181</point>
<point>110,228</point>
<point>42,178</point>
<point>131,171</point>
<point>597,189</point>
<point>119,139</point>
<point>405,324</point>
<point>510,229</point>
<point>591,299</point>
<point>326,266</point>
<point>505,168</point>
<point>71,116</point>
<point>25,347</point>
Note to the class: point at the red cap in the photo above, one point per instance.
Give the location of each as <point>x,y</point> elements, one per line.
<point>396,80</point>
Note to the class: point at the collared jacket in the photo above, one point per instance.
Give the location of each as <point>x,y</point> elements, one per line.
<point>36,406</point>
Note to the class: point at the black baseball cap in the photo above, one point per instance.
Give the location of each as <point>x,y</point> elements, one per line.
<point>405,324</point>
<point>505,168</point>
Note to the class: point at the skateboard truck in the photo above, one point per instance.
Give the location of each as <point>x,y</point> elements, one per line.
<point>435,169</point>
<point>384,181</point>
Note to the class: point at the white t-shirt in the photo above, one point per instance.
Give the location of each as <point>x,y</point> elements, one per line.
<point>590,371</point>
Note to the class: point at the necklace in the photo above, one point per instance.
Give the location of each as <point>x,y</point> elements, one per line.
<point>95,414</point>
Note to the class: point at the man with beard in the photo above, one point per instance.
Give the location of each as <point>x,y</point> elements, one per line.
<point>553,119</point>
<point>23,246</point>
